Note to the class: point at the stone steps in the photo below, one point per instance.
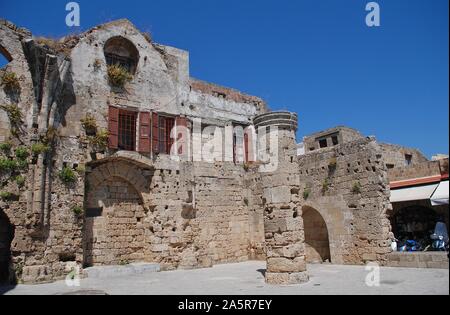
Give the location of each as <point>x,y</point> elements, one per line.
<point>102,272</point>
<point>431,260</point>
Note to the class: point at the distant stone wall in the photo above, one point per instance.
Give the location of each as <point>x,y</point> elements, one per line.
<point>396,155</point>
<point>426,169</point>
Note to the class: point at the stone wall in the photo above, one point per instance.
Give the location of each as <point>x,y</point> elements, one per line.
<point>395,155</point>
<point>425,169</point>
<point>348,186</point>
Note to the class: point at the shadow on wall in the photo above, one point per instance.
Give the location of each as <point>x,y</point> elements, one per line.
<point>317,244</point>
<point>7,272</point>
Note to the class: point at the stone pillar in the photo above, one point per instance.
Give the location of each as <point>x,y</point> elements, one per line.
<point>283,222</point>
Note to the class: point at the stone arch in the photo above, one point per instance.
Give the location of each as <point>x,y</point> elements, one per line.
<point>7,230</point>
<point>114,231</point>
<point>335,220</point>
<point>317,244</point>
<point>126,169</point>
<point>121,51</point>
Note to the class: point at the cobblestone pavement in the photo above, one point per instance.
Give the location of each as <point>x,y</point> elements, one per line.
<point>247,279</point>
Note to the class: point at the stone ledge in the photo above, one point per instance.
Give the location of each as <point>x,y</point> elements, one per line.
<point>101,272</point>
<point>424,260</point>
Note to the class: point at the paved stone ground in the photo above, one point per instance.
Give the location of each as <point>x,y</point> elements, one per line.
<point>247,279</point>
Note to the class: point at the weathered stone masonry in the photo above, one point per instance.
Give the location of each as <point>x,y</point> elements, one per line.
<point>109,193</point>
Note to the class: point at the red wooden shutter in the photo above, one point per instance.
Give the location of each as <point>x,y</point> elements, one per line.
<point>113,127</point>
<point>144,132</point>
<point>181,136</point>
<point>155,131</point>
<point>246,148</point>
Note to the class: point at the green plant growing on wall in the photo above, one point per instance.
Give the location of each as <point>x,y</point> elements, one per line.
<point>67,175</point>
<point>6,195</point>
<point>356,189</point>
<point>39,148</point>
<point>22,153</point>
<point>6,147</point>
<point>118,76</point>
<point>306,193</point>
<point>325,186</point>
<point>50,136</point>
<point>7,165</point>
<point>78,211</point>
<point>10,82</point>
<point>89,124</point>
<point>100,140</point>
<point>20,181</point>
<point>14,114</point>
<point>81,169</point>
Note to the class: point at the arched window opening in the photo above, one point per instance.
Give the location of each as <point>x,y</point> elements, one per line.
<point>5,57</point>
<point>120,51</point>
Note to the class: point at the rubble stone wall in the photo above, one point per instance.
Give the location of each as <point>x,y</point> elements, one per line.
<point>348,186</point>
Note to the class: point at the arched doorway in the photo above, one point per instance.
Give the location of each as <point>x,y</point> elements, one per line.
<point>6,237</point>
<point>317,244</point>
<point>114,232</point>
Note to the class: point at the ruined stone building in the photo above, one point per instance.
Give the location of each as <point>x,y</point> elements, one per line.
<point>101,164</point>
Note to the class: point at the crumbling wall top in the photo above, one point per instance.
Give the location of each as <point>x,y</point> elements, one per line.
<point>227,93</point>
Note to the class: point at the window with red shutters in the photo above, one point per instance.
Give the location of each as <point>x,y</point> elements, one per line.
<point>127,130</point>
<point>144,132</point>
<point>155,133</point>
<point>113,127</point>
<point>162,127</point>
<point>166,124</point>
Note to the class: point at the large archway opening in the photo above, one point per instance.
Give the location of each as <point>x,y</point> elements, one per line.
<point>317,243</point>
<point>6,238</point>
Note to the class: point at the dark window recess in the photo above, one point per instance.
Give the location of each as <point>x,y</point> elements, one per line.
<point>323,143</point>
<point>127,130</point>
<point>335,140</point>
<point>166,124</point>
<point>408,159</point>
<point>124,62</point>
<point>390,166</point>
<point>94,212</point>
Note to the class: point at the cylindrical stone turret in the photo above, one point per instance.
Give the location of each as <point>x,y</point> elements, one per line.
<point>283,223</point>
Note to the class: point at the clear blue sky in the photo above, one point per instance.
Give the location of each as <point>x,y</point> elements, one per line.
<point>315,57</point>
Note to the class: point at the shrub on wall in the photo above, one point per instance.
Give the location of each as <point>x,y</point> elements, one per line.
<point>39,148</point>
<point>6,147</point>
<point>306,193</point>
<point>89,124</point>
<point>78,211</point>
<point>14,114</point>
<point>7,165</point>
<point>118,76</point>
<point>356,189</point>
<point>22,153</point>
<point>67,175</point>
<point>10,82</point>
<point>100,140</point>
